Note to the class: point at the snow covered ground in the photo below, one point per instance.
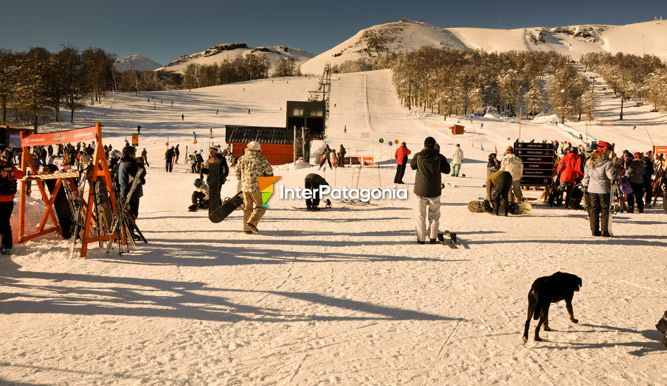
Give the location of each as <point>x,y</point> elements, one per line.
<point>344,296</point>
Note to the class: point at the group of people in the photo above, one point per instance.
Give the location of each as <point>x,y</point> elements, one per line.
<point>330,157</point>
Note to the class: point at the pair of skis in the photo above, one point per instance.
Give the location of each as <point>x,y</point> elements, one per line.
<point>124,223</point>
<point>450,239</point>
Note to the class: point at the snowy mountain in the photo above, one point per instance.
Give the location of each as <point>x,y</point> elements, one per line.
<point>406,35</point>
<point>229,51</point>
<point>136,62</point>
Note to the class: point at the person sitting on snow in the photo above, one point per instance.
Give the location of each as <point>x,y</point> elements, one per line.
<point>199,196</point>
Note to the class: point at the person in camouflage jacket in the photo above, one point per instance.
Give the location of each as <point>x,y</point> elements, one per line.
<point>250,166</point>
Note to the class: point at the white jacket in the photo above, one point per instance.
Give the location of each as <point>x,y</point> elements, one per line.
<point>457,158</point>
<point>513,165</point>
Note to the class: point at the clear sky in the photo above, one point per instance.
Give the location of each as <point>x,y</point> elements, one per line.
<point>165,29</point>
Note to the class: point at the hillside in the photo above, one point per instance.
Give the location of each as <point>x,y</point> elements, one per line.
<point>575,41</point>
<point>221,52</point>
<point>137,63</point>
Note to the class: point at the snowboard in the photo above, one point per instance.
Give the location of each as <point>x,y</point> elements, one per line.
<point>478,206</point>
<point>63,209</point>
<point>224,209</point>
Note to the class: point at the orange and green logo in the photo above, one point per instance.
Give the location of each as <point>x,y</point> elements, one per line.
<point>266,188</point>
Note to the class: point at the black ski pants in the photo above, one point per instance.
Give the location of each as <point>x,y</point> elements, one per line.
<point>6,209</point>
<point>636,196</point>
<point>500,194</point>
<point>169,166</point>
<point>598,212</point>
<point>400,172</point>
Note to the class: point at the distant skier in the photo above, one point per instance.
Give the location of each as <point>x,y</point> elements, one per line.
<point>401,154</point>
<point>177,153</point>
<point>429,164</point>
<point>457,160</point>
<point>313,182</point>
<point>326,157</point>
<point>9,175</point>
<point>250,166</point>
<point>169,158</point>
<point>144,155</point>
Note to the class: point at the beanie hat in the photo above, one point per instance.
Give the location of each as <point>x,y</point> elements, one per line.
<point>637,155</point>
<point>429,142</point>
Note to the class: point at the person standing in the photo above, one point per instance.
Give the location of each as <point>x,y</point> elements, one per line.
<point>326,157</point>
<point>637,171</point>
<point>128,171</point>
<point>493,165</point>
<point>401,155</point>
<point>513,164</point>
<point>169,157</point>
<point>498,185</point>
<point>9,175</point>
<point>250,166</point>
<point>569,171</point>
<point>341,156</point>
<point>599,174</point>
<point>429,164</point>
<point>177,153</point>
<point>144,155</point>
<point>648,179</point>
<point>457,160</point>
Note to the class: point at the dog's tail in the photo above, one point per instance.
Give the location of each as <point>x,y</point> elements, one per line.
<point>532,302</point>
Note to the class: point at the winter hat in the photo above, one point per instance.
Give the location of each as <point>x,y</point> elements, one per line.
<point>254,146</point>
<point>509,149</point>
<point>637,155</point>
<point>429,142</point>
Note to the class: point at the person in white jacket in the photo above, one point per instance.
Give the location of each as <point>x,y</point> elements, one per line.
<point>513,164</point>
<point>457,160</point>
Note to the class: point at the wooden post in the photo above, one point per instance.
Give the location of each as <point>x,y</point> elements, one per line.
<point>303,145</point>
<point>24,153</point>
<point>294,146</point>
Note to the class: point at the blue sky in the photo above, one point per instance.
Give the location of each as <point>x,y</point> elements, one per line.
<point>165,29</point>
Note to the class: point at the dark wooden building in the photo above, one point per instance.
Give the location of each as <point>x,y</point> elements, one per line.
<point>277,142</point>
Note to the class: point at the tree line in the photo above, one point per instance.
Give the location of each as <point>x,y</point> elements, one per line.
<point>36,85</point>
<point>240,69</point>
<point>629,76</point>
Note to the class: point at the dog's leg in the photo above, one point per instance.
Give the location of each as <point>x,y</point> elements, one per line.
<point>531,310</point>
<point>546,318</point>
<point>570,310</point>
<point>539,325</point>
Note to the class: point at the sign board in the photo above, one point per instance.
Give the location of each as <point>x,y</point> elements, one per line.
<point>135,139</point>
<point>538,162</point>
<point>659,150</point>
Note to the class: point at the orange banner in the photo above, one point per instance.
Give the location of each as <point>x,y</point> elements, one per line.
<point>659,150</point>
<point>69,136</point>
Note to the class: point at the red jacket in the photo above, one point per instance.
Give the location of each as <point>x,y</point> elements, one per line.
<point>402,154</point>
<point>569,168</point>
<point>17,174</point>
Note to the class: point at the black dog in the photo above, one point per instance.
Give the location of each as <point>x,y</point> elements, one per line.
<point>546,290</point>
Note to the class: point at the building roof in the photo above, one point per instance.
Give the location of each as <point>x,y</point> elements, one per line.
<point>245,134</point>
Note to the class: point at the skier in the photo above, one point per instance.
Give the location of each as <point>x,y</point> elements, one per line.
<point>250,166</point>
<point>569,170</point>
<point>598,177</point>
<point>127,172</point>
<point>215,156</point>
<point>144,155</point>
<point>199,196</point>
<point>498,186</point>
<point>313,182</point>
<point>513,164</point>
<point>637,171</point>
<point>177,153</point>
<point>429,164</point>
<point>326,157</point>
<point>8,187</point>
<point>648,178</point>
<point>401,155</point>
<point>457,160</point>
<point>169,157</point>
<point>341,156</point>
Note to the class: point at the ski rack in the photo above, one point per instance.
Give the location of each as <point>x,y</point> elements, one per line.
<point>100,169</point>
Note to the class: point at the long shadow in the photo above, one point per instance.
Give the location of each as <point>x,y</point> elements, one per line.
<point>124,296</point>
<point>597,241</point>
<point>642,347</point>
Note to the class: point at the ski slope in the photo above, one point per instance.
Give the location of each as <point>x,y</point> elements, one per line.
<point>343,296</point>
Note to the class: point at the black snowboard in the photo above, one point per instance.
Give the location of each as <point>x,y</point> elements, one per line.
<point>63,209</point>
<point>217,209</point>
<point>105,201</point>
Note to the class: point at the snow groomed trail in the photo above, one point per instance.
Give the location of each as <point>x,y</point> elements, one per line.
<point>344,296</point>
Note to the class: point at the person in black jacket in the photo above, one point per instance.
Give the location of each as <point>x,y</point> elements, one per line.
<point>127,172</point>
<point>313,183</point>
<point>169,159</point>
<point>429,164</point>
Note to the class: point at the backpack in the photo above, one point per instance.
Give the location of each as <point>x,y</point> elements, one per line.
<point>8,184</point>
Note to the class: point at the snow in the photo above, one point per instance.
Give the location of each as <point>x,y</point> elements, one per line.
<point>344,296</point>
<point>575,41</point>
<point>137,63</point>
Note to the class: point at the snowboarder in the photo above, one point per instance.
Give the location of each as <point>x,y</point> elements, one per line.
<point>513,164</point>
<point>599,175</point>
<point>199,196</point>
<point>313,182</point>
<point>498,186</point>
<point>169,157</point>
<point>401,154</point>
<point>341,156</point>
<point>9,175</point>
<point>429,164</point>
<point>457,160</point>
<point>250,166</point>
